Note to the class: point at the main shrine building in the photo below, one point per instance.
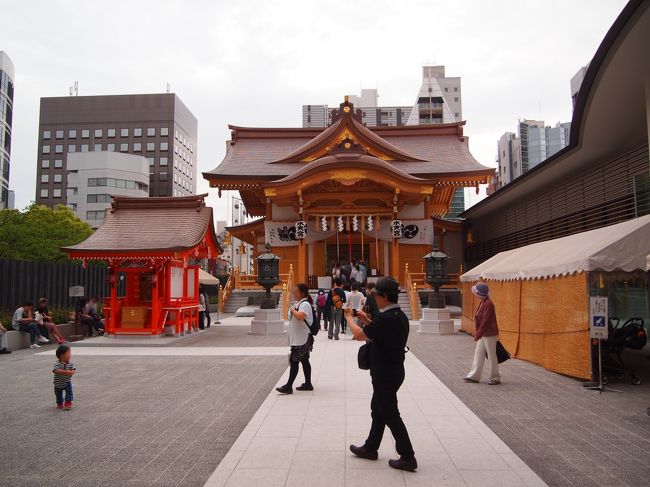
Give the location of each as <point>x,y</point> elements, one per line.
<point>349,191</point>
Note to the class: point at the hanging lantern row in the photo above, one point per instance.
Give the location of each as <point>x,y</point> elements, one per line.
<point>340,224</point>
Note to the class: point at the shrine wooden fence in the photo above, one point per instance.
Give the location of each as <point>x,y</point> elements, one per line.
<point>27,281</point>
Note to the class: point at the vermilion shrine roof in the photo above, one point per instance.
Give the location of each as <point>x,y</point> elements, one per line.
<point>141,227</point>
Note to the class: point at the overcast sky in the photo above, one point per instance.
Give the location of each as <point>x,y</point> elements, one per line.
<point>256,62</point>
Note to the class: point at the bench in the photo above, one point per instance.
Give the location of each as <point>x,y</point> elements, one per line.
<point>17,340</point>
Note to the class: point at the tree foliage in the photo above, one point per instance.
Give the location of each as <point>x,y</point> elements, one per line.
<point>39,232</point>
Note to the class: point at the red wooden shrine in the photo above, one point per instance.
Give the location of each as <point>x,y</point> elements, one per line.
<point>149,245</point>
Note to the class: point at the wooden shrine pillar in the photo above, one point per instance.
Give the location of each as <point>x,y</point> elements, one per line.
<point>112,319</point>
<point>303,263</point>
<point>155,303</point>
<point>394,260</point>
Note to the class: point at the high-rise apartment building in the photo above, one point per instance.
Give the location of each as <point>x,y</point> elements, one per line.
<point>6,116</point>
<point>158,127</point>
<point>93,177</point>
<point>438,101</point>
<point>535,143</point>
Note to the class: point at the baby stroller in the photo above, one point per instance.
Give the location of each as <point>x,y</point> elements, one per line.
<point>630,334</point>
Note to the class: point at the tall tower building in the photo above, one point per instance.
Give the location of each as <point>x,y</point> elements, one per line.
<point>158,127</point>
<point>6,116</point>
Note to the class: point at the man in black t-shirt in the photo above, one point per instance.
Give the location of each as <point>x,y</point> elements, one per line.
<point>388,332</point>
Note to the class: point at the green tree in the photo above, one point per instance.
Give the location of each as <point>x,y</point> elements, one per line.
<point>39,232</point>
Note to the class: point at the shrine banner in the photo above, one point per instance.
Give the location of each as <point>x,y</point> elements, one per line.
<point>283,234</point>
<point>414,232</point>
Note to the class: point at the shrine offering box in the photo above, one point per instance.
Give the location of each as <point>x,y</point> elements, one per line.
<point>135,316</point>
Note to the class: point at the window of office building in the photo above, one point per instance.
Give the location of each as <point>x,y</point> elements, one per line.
<point>137,132</point>
<point>72,134</point>
<point>455,98</point>
<point>58,163</point>
<point>71,148</point>
<point>98,198</point>
<point>110,147</point>
<point>47,134</point>
<point>124,147</point>
<point>44,193</point>
<point>151,131</point>
<point>151,146</point>
<point>124,132</point>
<point>97,147</point>
<point>58,149</point>
<point>59,134</point>
<point>456,88</point>
<point>57,178</point>
<point>45,163</point>
<point>164,146</point>
<point>163,176</point>
<point>446,89</point>
<point>163,161</point>
<point>95,215</point>
<point>164,131</point>
<point>151,161</point>
<point>84,147</point>
<point>46,149</point>
<point>98,132</point>
<point>137,147</point>
<point>56,193</point>
<point>111,132</point>
<point>85,134</point>
<point>45,178</point>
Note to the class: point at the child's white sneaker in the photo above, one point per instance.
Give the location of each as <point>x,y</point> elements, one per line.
<point>42,339</point>
<point>34,345</point>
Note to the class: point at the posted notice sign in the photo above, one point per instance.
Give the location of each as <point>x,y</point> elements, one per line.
<point>598,317</point>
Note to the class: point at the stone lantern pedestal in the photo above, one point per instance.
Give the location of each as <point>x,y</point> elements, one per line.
<point>267,322</point>
<point>436,321</point>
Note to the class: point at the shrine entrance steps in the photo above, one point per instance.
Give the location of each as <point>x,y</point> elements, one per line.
<point>240,298</point>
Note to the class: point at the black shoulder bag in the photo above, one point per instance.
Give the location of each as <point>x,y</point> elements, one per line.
<point>363,355</point>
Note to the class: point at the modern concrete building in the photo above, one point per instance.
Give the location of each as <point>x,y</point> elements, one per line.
<point>576,83</point>
<point>158,127</point>
<point>535,143</point>
<point>6,115</point>
<point>371,113</point>
<point>93,177</point>
<point>439,99</point>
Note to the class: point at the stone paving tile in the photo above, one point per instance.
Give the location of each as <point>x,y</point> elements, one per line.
<point>136,420</point>
<point>567,435</point>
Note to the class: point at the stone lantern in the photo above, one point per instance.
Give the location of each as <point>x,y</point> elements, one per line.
<point>436,275</point>
<point>268,275</point>
<point>436,319</point>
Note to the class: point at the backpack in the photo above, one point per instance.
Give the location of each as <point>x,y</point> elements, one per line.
<point>321,300</point>
<point>315,322</point>
<point>336,299</point>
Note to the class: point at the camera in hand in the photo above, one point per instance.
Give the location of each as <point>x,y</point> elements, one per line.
<point>355,312</point>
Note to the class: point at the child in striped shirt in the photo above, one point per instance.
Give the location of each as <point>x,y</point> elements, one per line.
<point>63,371</point>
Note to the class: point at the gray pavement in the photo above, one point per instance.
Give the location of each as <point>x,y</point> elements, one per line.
<point>137,421</point>
<point>568,436</point>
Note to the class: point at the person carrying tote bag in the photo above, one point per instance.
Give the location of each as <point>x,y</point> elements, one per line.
<point>486,337</point>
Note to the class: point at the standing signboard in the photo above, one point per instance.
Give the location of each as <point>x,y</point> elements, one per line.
<point>598,317</point>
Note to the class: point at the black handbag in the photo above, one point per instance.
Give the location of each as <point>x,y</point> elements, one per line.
<point>502,353</point>
<point>363,356</point>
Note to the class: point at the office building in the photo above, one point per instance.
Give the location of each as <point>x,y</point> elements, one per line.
<point>6,115</point>
<point>534,144</point>
<point>93,177</point>
<point>158,127</point>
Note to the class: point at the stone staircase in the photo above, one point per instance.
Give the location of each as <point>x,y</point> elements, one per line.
<point>405,304</point>
<point>239,299</point>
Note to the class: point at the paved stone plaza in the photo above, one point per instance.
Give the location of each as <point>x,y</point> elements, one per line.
<point>163,412</point>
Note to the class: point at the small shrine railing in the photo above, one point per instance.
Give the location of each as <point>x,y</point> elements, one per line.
<point>412,293</point>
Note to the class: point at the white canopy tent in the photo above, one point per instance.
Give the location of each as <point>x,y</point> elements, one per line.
<point>624,246</point>
<point>207,279</point>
